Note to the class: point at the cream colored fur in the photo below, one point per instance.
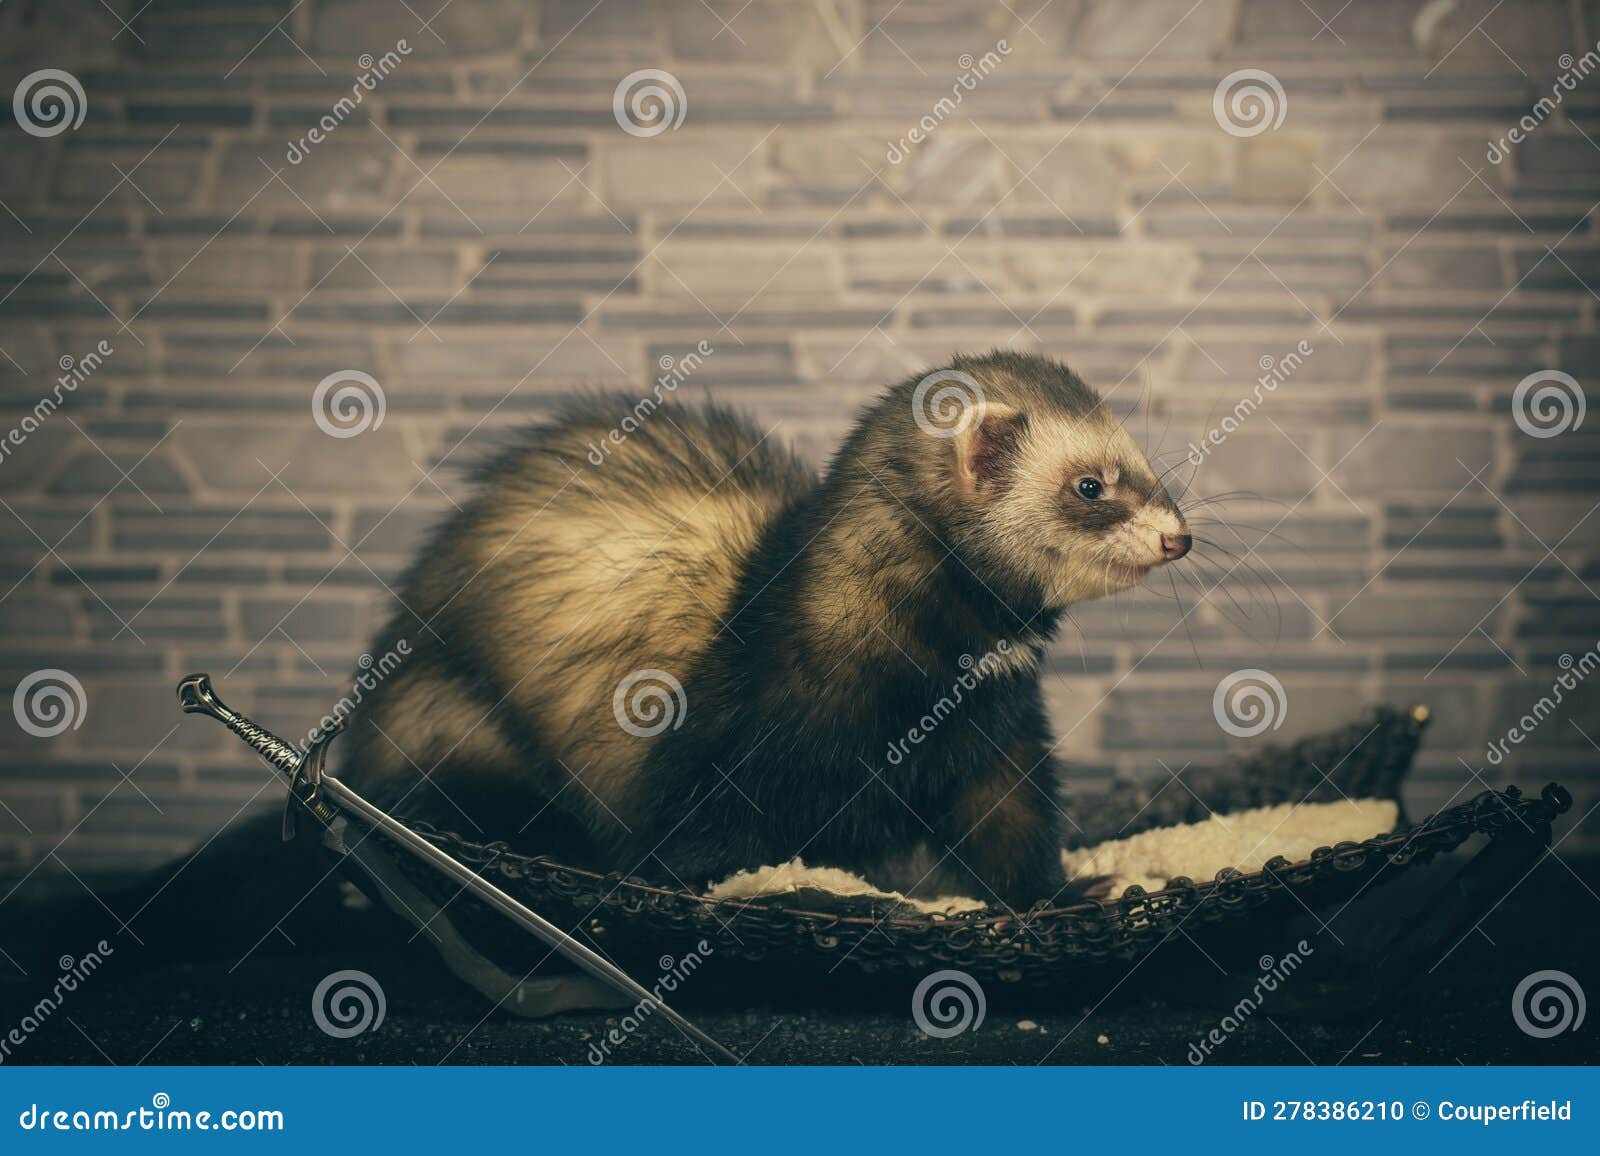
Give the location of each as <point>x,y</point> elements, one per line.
<point>1245,840</point>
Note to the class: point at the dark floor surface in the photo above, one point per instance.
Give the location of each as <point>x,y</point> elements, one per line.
<point>258,1009</point>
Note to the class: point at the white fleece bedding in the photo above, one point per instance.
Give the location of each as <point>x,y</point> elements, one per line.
<point>1245,840</point>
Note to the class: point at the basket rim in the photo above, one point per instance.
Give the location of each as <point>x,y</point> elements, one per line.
<point>1484,812</point>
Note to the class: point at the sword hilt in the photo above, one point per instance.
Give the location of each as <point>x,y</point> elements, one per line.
<point>196,695</point>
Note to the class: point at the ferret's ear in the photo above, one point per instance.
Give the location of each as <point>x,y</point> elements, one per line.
<point>987,449</point>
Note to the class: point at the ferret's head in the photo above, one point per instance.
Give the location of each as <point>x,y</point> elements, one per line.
<point>1035,481</point>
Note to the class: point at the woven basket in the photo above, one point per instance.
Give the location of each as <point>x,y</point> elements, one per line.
<point>478,902</point>
<point>635,920</point>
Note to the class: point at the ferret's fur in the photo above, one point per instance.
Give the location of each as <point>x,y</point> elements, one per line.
<point>811,626</point>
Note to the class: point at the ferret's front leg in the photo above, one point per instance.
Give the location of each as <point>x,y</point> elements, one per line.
<point>1002,833</point>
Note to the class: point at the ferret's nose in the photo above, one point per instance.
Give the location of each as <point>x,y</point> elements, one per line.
<point>1175,546</point>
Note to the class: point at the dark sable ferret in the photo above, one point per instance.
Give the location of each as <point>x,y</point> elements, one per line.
<point>816,629</point>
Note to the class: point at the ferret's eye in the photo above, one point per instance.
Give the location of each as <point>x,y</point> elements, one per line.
<point>1090,488</point>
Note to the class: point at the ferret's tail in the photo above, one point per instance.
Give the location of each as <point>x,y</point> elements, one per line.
<point>243,891</point>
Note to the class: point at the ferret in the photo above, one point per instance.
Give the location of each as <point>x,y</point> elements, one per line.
<point>653,641</point>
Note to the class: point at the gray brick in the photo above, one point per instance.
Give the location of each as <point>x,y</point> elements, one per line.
<point>1412,458</point>
<point>94,473</point>
<point>392,532</point>
<point>343,27</point>
<point>1454,527</point>
<point>1378,613</point>
<point>217,531</point>
<point>348,169</point>
<point>156,617</point>
<point>307,623</point>
<point>1461,266</point>
<point>1162,28</point>
<point>241,459</point>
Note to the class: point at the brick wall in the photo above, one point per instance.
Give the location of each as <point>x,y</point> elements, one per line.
<point>479,233</point>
